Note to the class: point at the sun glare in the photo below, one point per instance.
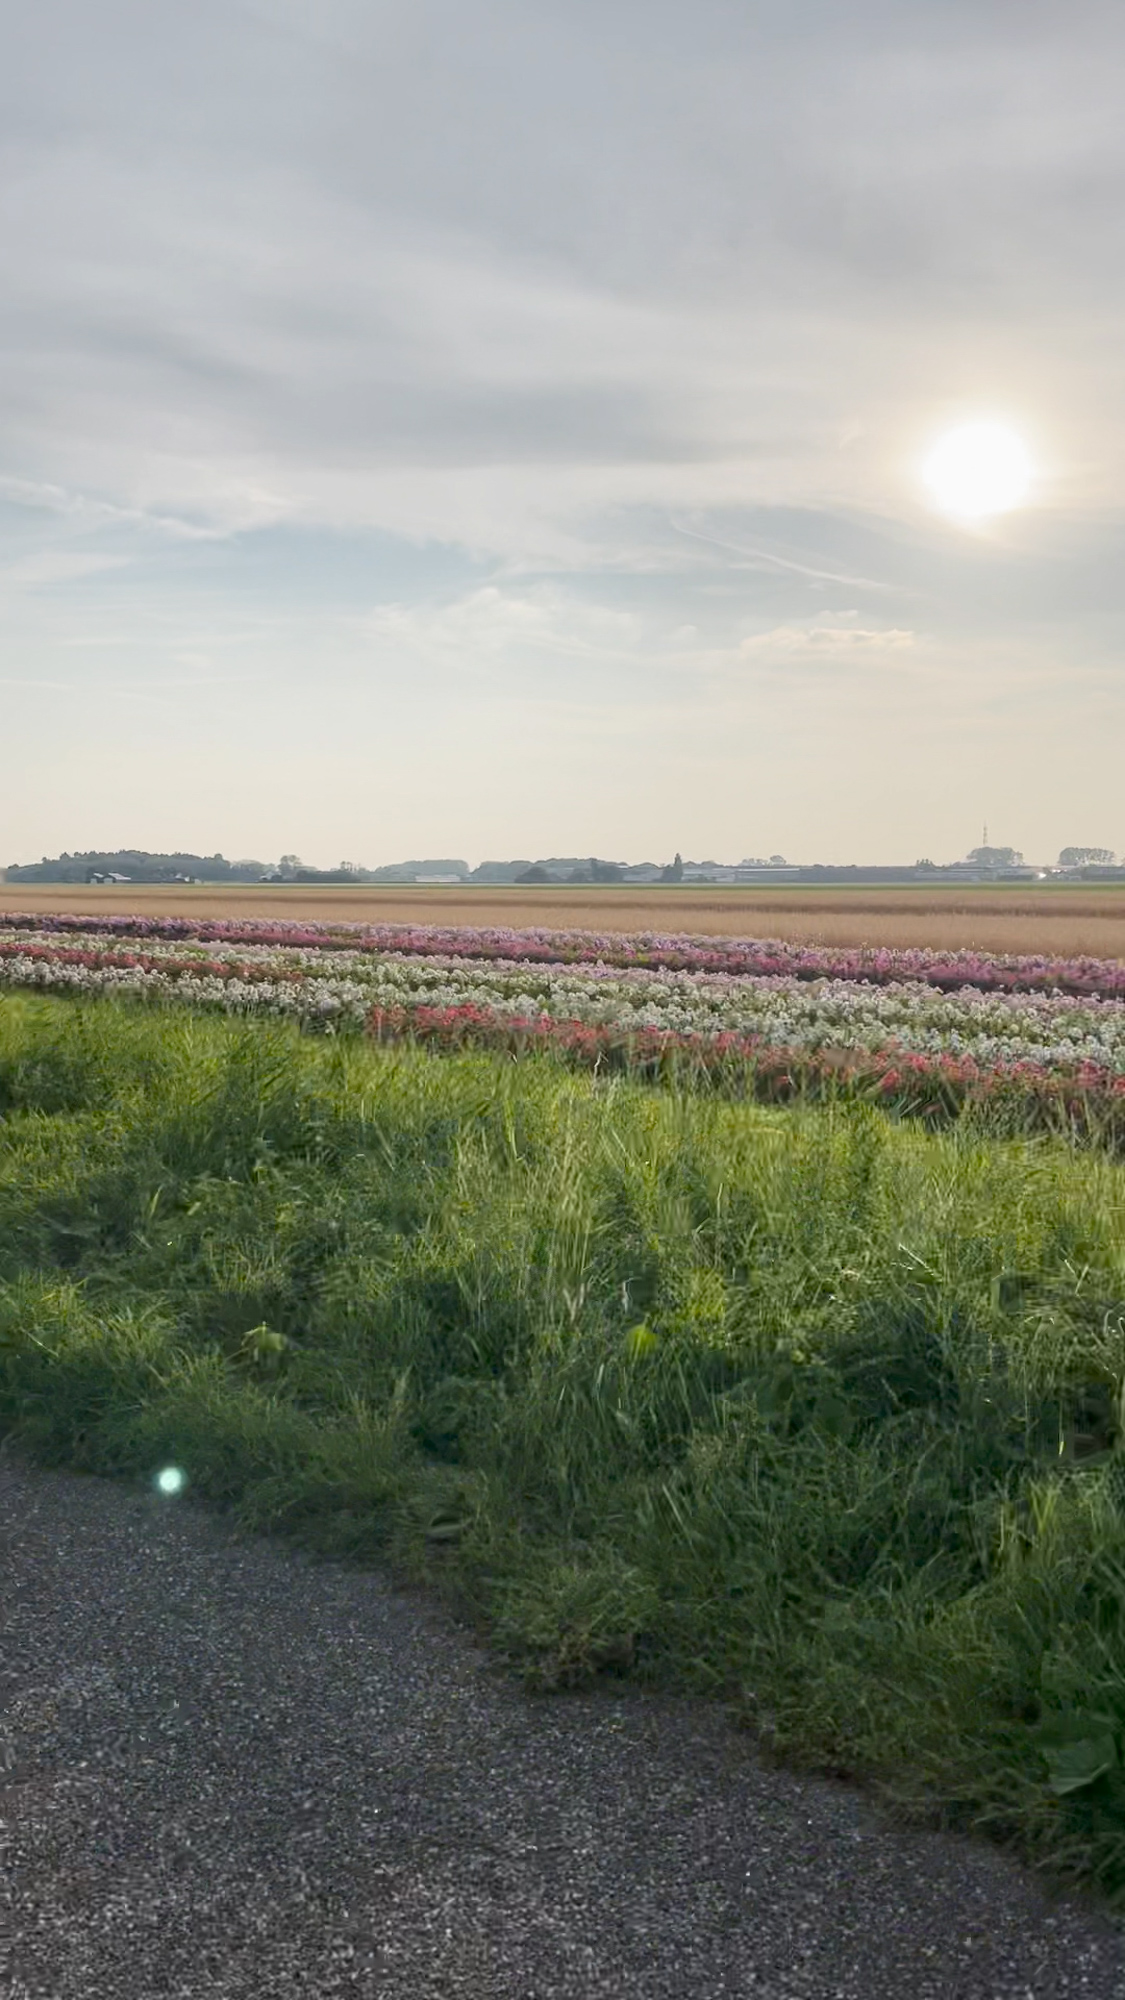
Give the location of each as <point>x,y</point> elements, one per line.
<point>977,470</point>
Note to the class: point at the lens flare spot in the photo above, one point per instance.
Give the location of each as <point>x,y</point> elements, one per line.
<point>170,1480</point>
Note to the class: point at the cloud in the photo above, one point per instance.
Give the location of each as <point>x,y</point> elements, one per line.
<point>485,626</point>
<point>826,642</point>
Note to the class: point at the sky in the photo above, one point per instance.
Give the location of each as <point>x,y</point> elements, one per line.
<point>497,428</point>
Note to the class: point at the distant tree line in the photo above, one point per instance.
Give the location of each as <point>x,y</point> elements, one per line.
<point>1086,857</point>
<point>133,864</point>
<point>137,866</point>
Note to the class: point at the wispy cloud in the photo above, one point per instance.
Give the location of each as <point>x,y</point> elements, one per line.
<point>28,681</point>
<point>759,558</point>
<point>51,566</point>
<point>90,510</point>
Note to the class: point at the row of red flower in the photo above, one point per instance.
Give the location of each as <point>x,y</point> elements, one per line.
<point>1088,1099</point>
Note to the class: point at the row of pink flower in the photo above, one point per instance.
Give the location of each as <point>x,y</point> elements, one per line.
<point>743,957</point>
<point>1091,1099</point>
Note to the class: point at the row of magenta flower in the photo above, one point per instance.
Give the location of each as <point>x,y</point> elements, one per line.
<point>748,957</point>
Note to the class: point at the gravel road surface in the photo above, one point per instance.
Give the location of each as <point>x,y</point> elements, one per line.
<point>230,1773</point>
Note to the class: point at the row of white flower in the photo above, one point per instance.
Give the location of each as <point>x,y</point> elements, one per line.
<point>318,1000</point>
<point>1049,1030</point>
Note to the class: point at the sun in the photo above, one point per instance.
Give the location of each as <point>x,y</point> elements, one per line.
<point>977,470</point>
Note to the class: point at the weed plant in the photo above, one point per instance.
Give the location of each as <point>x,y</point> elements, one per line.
<point>805,1408</point>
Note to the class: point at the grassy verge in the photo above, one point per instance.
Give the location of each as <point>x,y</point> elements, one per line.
<point>806,1407</point>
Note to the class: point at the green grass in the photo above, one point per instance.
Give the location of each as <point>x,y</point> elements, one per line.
<point>804,1408</point>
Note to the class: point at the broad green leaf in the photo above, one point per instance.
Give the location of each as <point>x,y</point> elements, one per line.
<point>1077,1752</point>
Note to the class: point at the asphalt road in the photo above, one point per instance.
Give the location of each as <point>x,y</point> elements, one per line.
<point>228,1771</point>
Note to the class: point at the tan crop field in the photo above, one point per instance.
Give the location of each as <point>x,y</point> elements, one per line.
<point>1051,920</point>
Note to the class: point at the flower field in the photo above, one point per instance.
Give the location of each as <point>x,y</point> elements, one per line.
<point>907,1023</point>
